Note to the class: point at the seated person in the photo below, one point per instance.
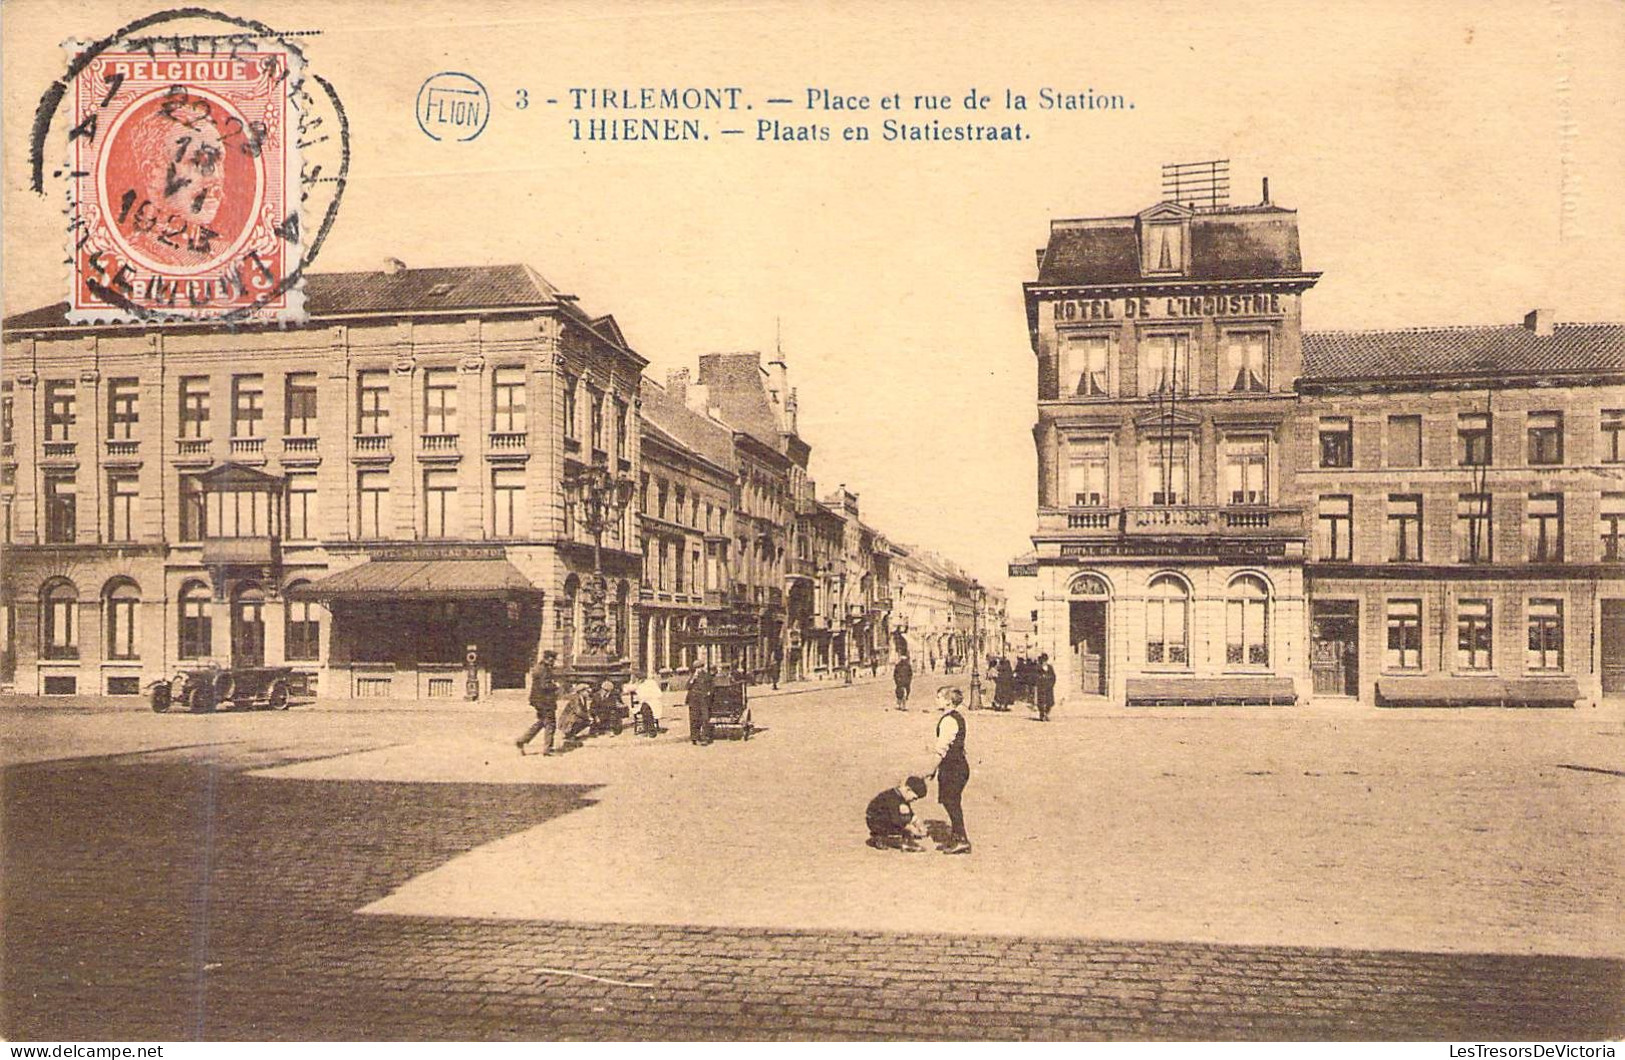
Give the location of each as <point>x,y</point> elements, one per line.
<point>649,697</point>
<point>606,710</point>
<point>575,712</point>
<point>892,824</point>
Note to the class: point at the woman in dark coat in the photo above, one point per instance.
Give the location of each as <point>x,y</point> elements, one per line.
<point>1004,686</point>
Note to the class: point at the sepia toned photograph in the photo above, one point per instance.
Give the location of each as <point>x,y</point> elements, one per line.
<point>686,522</point>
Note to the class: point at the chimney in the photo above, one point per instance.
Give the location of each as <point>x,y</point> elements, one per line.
<point>1539,321</point>
<point>677,385</point>
<point>394,266</point>
<point>1266,191</point>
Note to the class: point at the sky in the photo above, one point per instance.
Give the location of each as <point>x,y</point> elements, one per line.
<point>1452,163</point>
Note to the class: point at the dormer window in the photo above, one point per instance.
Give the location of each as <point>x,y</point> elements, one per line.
<point>1164,247</point>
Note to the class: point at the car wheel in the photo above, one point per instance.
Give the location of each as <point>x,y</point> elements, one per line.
<point>160,697</point>
<point>278,697</point>
<point>198,699</point>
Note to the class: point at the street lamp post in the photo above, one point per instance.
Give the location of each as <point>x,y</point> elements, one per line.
<point>602,497</point>
<point>975,654</point>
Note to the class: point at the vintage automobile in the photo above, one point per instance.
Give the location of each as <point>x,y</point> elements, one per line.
<point>730,707</point>
<point>207,688</point>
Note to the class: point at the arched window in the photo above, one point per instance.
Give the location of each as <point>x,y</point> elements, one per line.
<point>1247,622</point>
<point>1167,622</point>
<point>120,600</point>
<point>59,617</point>
<point>196,637</point>
<point>302,640</point>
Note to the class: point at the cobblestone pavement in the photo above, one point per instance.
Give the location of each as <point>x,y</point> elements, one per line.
<point>197,885</point>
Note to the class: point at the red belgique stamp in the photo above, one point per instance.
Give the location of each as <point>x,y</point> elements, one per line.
<point>185,185</point>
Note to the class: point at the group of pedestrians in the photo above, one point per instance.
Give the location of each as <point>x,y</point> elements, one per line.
<point>1025,680</point>
<point>890,815</point>
<point>579,711</point>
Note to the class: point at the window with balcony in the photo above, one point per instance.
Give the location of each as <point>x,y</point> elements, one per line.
<point>1165,471</point>
<point>1167,622</point>
<point>1404,441</point>
<point>247,406</point>
<point>507,501</point>
<point>123,408</point>
<point>1613,436</point>
<point>119,607</point>
<point>1088,473</point>
<point>1473,441</point>
<point>595,414</point>
<point>302,641</point>
<point>61,508</point>
<point>7,418</point>
<point>299,405</point>
<point>1474,635</point>
<point>509,411</point>
<point>1611,520</point>
<point>302,505</point>
<point>1336,441</point>
<point>372,504</point>
<point>1336,528</point>
<point>1475,542</point>
<point>1545,438</point>
<point>623,417</point>
<point>1404,635</point>
<point>196,632</point>
<point>123,491</point>
<point>193,512</point>
<point>194,410</point>
<point>679,567</point>
<point>1545,635</point>
<point>59,617</point>
<point>1544,528</point>
<point>1247,360</point>
<point>1165,362</point>
<point>660,489</point>
<point>372,402</point>
<point>61,415</point>
<point>1405,527</point>
<point>439,502</point>
<point>238,513</point>
<point>440,401</point>
<point>1086,366</point>
<point>1247,623</point>
<point>1246,469</point>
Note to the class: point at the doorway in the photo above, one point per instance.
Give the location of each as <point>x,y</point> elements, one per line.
<point>1334,647</point>
<point>248,629</point>
<point>1087,638</point>
<point>1613,647</point>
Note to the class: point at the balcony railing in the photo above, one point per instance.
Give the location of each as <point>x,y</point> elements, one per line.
<point>299,444</point>
<point>247,446</point>
<point>192,447</point>
<point>508,441</point>
<point>123,446</point>
<point>806,568</point>
<point>372,443</point>
<point>1183,520</point>
<point>438,443</point>
<point>60,449</point>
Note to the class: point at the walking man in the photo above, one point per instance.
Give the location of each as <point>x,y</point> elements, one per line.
<point>1045,674</point>
<point>953,769</point>
<point>700,689</point>
<point>902,676</point>
<point>544,699</point>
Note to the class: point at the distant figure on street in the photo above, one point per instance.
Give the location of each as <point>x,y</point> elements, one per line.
<point>902,676</point>
<point>544,700</point>
<point>953,768</point>
<point>891,820</point>
<point>648,701</point>
<point>1004,686</point>
<point>1045,674</point>
<point>700,689</point>
<point>874,665</point>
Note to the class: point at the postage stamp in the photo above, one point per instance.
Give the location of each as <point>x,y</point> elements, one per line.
<point>185,182</point>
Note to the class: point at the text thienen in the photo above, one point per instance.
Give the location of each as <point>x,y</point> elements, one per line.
<point>693,98</point>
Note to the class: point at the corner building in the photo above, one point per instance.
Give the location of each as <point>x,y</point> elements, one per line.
<point>378,499</point>
<point>1170,542</point>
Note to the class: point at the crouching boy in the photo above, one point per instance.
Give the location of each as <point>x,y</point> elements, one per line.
<point>892,824</point>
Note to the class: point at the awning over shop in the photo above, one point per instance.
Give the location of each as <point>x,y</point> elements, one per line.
<point>437,579</point>
<point>1477,692</point>
<point>1210,691</point>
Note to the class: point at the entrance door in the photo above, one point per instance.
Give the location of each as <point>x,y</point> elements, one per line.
<point>1088,641</point>
<point>1334,648</point>
<point>248,629</point>
<point>1613,647</point>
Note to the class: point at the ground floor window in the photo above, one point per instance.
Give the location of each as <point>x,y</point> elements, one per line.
<point>121,604</point>
<point>1545,635</point>
<point>1247,620</point>
<point>1474,635</point>
<point>1167,612</point>
<point>304,633</point>
<point>60,612</point>
<point>1404,635</point>
<point>196,634</point>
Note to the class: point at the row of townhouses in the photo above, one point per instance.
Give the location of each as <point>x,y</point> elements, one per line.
<point>1234,510</point>
<point>392,495</point>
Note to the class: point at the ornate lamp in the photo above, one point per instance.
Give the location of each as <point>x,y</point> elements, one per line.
<point>601,498</point>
